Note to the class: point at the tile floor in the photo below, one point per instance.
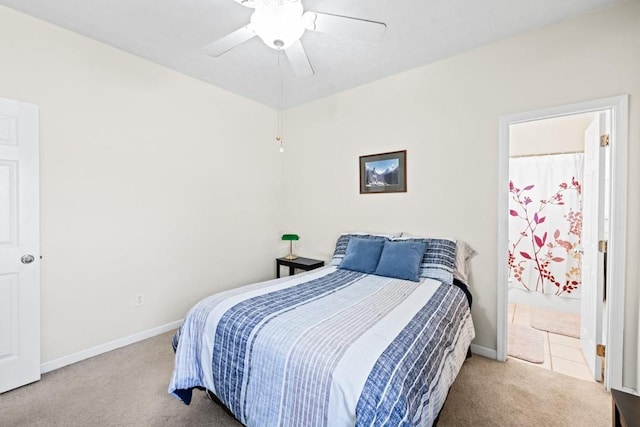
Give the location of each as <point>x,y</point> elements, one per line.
<point>561,353</point>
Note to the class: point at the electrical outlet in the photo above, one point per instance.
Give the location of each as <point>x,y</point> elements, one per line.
<point>139,300</point>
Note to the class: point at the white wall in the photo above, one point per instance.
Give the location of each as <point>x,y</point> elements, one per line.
<point>151,182</point>
<point>557,135</point>
<point>446,116</point>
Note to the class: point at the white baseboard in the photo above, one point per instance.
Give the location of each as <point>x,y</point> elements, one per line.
<point>103,348</point>
<point>484,351</point>
<point>52,365</point>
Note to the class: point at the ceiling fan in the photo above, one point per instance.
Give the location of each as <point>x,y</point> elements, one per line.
<point>281,23</point>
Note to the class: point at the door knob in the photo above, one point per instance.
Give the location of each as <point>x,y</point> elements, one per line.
<point>27,259</point>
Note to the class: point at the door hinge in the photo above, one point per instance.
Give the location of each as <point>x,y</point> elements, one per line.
<point>600,350</point>
<point>602,246</point>
<point>604,140</point>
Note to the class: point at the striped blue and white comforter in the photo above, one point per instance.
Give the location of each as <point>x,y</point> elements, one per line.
<point>327,348</point>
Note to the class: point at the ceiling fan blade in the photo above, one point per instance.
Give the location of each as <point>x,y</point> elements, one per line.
<point>298,60</point>
<point>229,41</point>
<point>344,26</point>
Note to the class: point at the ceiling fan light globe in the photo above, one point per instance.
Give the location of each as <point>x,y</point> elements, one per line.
<point>278,26</point>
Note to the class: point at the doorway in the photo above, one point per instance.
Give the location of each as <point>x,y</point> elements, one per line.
<point>612,310</point>
<point>547,189</point>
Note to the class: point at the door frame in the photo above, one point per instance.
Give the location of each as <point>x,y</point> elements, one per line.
<point>619,107</point>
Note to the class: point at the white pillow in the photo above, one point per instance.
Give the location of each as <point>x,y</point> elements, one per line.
<point>462,269</point>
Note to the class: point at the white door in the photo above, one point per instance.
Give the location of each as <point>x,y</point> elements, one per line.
<point>593,197</point>
<point>19,245</point>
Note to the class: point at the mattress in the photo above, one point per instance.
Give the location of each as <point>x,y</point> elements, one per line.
<point>328,347</point>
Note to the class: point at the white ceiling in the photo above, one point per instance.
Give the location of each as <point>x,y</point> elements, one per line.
<point>173,32</point>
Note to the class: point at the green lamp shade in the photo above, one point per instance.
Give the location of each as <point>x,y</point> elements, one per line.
<point>290,237</point>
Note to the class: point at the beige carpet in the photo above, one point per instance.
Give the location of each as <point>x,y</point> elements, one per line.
<point>128,387</point>
<point>525,343</point>
<point>489,393</point>
<point>556,322</point>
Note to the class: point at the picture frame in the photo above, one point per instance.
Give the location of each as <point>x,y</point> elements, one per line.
<point>383,173</point>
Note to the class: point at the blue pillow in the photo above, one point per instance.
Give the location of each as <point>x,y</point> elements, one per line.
<point>401,260</point>
<point>362,255</point>
<point>438,260</point>
<point>343,242</point>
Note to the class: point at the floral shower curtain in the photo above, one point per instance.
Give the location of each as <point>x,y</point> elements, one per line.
<point>545,224</point>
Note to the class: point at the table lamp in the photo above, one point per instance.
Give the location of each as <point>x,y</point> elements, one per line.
<point>290,238</point>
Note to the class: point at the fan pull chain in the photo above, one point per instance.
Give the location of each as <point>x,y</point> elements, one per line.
<point>279,118</point>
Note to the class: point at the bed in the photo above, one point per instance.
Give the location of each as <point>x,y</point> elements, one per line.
<point>342,345</point>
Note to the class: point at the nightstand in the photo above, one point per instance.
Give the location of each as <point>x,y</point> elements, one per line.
<point>300,263</point>
<point>626,409</point>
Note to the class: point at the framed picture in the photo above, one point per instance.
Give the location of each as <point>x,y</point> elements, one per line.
<point>383,173</point>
